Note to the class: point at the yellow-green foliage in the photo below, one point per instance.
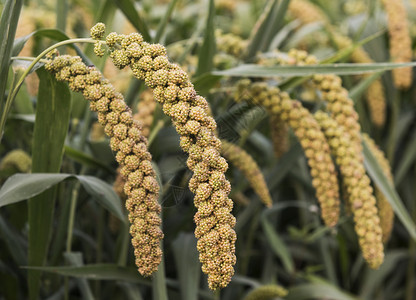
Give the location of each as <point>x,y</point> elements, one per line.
<point>360,193</point>
<point>310,136</point>
<point>141,186</point>
<point>247,165</point>
<point>189,112</point>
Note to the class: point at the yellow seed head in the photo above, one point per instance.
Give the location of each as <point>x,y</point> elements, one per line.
<point>246,164</point>
<point>132,154</point>
<point>312,140</point>
<point>17,160</point>
<point>172,88</point>
<point>384,208</point>
<point>400,41</point>
<point>266,292</point>
<point>357,184</point>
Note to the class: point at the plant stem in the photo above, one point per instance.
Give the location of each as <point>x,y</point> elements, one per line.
<point>19,83</point>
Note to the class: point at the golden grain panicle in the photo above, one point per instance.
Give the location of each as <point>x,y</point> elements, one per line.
<point>310,136</point>
<point>375,93</point>
<point>17,160</point>
<point>360,192</point>
<point>279,133</point>
<point>339,104</point>
<point>130,145</point>
<point>248,166</point>
<point>189,112</point>
<point>266,292</point>
<point>385,210</point>
<point>400,41</point>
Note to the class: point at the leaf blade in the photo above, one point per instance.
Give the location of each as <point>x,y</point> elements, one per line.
<point>377,175</point>
<point>251,70</point>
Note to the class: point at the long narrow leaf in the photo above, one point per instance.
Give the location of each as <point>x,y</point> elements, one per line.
<point>187,264</point>
<point>129,10</point>
<point>264,22</point>
<point>20,187</point>
<point>8,25</point>
<point>317,291</point>
<point>51,126</point>
<point>289,71</point>
<point>162,25</point>
<point>277,245</point>
<point>377,174</point>
<point>75,259</point>
<point>98,272</point>
<point>207,50</point>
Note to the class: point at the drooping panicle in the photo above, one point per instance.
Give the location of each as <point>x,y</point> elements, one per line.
<point>248,166</point>
<point>400,41</point>
<point>189,112</point>
<point>360,193</point>
<point>385,210</point>
<point>310,136</point>
<point>130,145</point>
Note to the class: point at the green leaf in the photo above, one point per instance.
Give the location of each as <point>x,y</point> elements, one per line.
<point>251,70</point>
<point>373,279</point>
<point>53,34</point>
<point>8,25</point>
<point>207,50</point>
<point>275,242</point>
<point>265,28</point>
<point>103,193</point>
<point>187,264</point>
<point>98,272</point>
<point>362,87</point>
<point>51,126</point>
<point>317,291</point>
<point>407,159</point>
<point>129,10</point>
<point>20,187</point>
<point>13,242</point>
<point>75,259</point>
<point>284,165</point>
<point>162,25</point>
<point>86,159</point>
<point>205,82</point>
<point>377,174</point>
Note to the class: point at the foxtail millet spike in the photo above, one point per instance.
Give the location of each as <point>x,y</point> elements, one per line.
<point>189,112</point>
<point>266,292</point>
<point>385,210</point>
<point>307,12</point>
<point>360,192</point>
<point>400,41</point>
<point>310,136</point>
<point>141,186</point>
<point>248,166</point>
<point>279,133</point>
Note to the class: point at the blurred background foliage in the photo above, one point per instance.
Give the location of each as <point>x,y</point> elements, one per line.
<point>86,252</point>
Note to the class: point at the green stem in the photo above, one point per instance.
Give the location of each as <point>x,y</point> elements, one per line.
<point>19,83</point>
<point>72,216</point>
<point>46,51</point>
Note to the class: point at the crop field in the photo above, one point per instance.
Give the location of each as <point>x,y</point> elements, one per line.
<point>209,149</point>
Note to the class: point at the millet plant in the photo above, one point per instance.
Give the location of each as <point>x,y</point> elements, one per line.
<point>227,150</point>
